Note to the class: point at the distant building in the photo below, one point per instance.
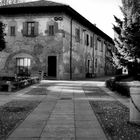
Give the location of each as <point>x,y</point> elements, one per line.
<point>53,40</point>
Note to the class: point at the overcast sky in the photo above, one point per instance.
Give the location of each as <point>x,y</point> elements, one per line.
<point>99,12</point>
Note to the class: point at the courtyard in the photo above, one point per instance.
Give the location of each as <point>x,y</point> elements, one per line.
<point>67,110</point>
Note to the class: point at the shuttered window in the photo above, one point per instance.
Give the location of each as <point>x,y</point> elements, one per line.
<point>91,41</point>
<point>12,31</point>
<point>51,30</point>
<point>77,35</point>
<point>87,40</point>
<point>30,29</point>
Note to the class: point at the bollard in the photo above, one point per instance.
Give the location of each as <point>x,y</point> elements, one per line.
<point>9,86</point>
<point>135,102</point>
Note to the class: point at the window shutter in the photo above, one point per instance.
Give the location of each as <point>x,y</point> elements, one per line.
<point>91,41</point>
<point>36,28</point>
<point>55,27</point>
<point>87,36</point>
<point>85,39</point>
<point>51,30</point>
<point>9,27</point>
<point>24,31</point>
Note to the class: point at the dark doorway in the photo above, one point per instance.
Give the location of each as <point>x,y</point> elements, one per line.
<point>52,66</point>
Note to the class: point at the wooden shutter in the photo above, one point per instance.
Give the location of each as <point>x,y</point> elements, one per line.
<point>55,27</point>
<point>9,31</point>
<point>77,35</point>
<point>36,28</point>
<point>85,39</point>
<point>24,31</point>
<point>51,30</point>
<point>91,41</point>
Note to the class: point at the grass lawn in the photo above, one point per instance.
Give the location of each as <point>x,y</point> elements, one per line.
<point>37,91</point>
<point>13,113</point>
<point>114,119</point>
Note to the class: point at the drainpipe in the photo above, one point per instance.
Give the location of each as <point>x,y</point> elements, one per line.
<point>71,49</point>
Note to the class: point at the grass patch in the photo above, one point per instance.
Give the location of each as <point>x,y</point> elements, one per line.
<point>37,91</point>
<point>114,119</point>
<point>13,113</point>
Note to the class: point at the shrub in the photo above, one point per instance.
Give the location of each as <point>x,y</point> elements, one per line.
<point>110,83</point>
<point>114,84</point>
<point>122,89</point>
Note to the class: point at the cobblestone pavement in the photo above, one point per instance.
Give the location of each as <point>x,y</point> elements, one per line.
<point>63,114</point>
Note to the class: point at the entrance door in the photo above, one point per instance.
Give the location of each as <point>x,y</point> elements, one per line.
<point>52,66</point>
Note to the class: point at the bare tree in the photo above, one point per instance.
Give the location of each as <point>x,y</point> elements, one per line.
<point>7,2</point>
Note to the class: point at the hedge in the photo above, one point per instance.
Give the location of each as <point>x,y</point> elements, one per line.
<point>118,86</point>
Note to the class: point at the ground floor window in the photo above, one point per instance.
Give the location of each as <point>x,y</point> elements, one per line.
<point>23,66</point>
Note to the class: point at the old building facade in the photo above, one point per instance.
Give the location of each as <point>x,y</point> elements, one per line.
<point>53,40</point>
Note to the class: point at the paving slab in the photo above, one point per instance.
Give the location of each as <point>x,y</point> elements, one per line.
<point>26,132</point>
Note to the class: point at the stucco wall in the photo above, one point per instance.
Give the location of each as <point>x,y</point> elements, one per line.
<point>80,52</point>
<point>38,48</point>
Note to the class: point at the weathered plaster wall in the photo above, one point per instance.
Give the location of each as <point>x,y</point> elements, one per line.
<point>80,52</point>
<point>99,55</point>
<point>39,48</point>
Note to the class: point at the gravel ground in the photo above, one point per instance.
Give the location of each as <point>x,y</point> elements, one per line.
<point>114,119</point>
<point>13,113</point>
<point>37,91</point>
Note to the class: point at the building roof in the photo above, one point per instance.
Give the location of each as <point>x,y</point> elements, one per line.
<point>40,3</point>
<point>44,6</point>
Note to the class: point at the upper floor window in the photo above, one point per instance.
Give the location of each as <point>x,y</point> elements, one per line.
<point>30,29</point>
<point>12,31</point>
<point>91,41</point>
<point>51,30</point>
<point>96,45</point>
<point>99,43</point>
<point>77,35</point>
<point>87,40</point>
<point>102,46</point>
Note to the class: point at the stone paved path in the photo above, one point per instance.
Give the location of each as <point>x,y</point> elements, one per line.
<point>64,114</point>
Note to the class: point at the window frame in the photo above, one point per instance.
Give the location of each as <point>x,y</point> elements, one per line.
<point>12,31</point>
<point>32,28</point>
<point>51,30</point>
<point>102,46</point>
<point>87,40</point>
<point>22,67</point>
<point>91,41</point>
<point>77,34</point>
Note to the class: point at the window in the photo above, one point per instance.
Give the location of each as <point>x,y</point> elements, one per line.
<point>51,30</point>
<point>102,46</point>
<point>91,41</point>
<point>87,40</point>
<point>96,45</point>
<point>12,31</point>
<point>96,63</point>
<point>77,35</point>
<point>23,66</point>
<point>30,29</point>
<point>99,44</point>
<point>88,66</point>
